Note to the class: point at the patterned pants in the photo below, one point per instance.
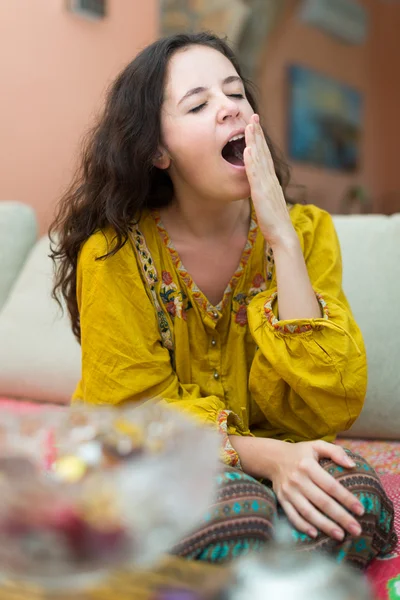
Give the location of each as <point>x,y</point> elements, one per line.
<point>242,518</point>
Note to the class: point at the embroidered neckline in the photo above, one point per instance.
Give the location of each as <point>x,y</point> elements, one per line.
<point>150,275</point>
<point>198,295</point>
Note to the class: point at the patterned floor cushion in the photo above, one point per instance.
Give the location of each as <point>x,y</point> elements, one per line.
<point>383,456</point>
<point>383,573</point>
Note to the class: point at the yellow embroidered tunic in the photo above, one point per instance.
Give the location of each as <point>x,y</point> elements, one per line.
<point>147,331</point>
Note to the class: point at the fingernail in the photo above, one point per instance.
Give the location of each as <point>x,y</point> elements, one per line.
<point>355,530</point>
<point>351,463</point>
<point>312,533</point>
<point>338,534</point>
<point>358,509</point>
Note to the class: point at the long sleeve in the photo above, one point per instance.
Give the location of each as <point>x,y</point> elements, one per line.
<point>123,359</point>
<point>309,376</point>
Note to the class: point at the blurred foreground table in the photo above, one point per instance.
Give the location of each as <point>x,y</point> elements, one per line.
<point>171,573</point>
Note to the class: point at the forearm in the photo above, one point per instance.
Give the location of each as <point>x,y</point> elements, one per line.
<point>258,456</point>
<point>296,297</point>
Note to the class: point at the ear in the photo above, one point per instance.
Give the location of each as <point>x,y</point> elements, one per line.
<point>162,160</point>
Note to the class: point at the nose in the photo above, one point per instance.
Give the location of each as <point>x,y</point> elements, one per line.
<point>229,109</point>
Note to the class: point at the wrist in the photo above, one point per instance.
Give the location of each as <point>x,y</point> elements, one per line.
<point>259,457</point>
<point>286,241</point>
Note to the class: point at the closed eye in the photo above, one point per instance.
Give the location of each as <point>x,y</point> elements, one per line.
<point>198,108</point>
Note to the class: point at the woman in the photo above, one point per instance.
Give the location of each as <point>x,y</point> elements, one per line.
<point>180,287</point>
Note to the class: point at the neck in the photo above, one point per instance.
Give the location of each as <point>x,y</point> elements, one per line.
<point>207,219</point>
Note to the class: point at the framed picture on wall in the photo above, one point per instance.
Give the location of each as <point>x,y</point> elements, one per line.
<point>325,120</point>
<point>89,9</point>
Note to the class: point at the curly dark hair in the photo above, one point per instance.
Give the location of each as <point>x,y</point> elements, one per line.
<point>116,178</point>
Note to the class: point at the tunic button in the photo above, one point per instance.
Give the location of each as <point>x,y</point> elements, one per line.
<point>215,314</point>
<point>216,375</point>
<point>213,342</point>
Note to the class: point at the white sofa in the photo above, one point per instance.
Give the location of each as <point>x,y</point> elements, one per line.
<point>40,358</point>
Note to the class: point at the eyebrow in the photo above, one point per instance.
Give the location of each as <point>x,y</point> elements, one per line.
<point>199,90</point>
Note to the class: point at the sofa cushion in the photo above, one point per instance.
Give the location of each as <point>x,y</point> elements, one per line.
<point>18,232</point>
<point>39,356</point>
<point>371,279</point>
<point>25,407</point>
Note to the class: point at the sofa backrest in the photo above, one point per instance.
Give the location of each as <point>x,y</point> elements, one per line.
<point>18,232</point>
<point>371,280</point>
<point>39,356</point>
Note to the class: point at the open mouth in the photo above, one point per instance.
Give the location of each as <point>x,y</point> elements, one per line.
<point>232,152</point>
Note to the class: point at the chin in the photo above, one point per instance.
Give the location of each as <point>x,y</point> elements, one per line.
<point>241,192</point>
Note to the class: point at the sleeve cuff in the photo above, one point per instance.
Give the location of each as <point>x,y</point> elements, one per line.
<point>225,420</point>
<point>295,326</point>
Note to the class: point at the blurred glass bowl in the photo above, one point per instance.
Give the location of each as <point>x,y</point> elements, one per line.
<point>87,490</point>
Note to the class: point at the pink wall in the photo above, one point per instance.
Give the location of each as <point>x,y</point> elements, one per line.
<point>56,66</point>
<point>54,69</point>
<point>385,101</point>
<point>372,68</point>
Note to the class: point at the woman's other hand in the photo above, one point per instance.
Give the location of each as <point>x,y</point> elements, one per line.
<point>311,498</point>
